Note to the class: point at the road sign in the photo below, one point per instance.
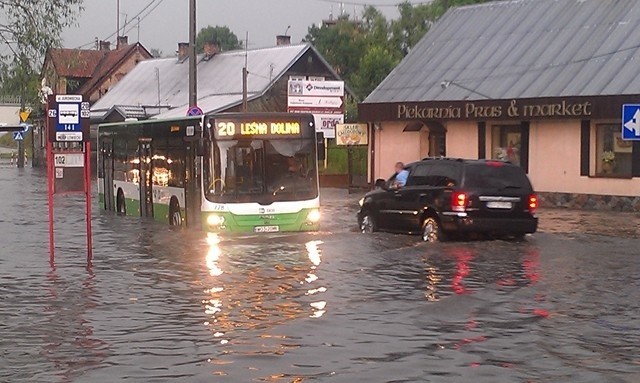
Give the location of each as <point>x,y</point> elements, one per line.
<point>326,123</point>
<point>316,88</point>
<point>314,102</point>
<point>194,111</point>
<point>25,127</point>
<point>18,136</point>
<point>631,122</point>
<point>24,115</point>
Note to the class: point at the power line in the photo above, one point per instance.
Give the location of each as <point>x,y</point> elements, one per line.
<point>124,26</point>
<point>139,19</point>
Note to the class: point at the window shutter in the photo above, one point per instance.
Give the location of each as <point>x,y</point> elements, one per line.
<point>585,146</point>
<point>482,140</point>
<point>524,146</point>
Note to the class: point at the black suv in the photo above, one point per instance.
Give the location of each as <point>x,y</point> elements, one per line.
<point>445,196</point>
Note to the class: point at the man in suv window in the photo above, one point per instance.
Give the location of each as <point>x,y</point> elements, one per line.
<point>446,196</point>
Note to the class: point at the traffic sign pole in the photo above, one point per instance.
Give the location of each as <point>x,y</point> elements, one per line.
<point>49,157</point>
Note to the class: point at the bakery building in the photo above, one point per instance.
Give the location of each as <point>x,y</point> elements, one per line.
<point>541,83</point>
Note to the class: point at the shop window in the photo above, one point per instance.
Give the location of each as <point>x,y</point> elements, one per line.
<point>613,154</point>
<point>506,143</point>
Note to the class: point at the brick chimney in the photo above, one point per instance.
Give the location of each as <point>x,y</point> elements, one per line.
<point>211,48</point>
<point>105,45</point>
<point>122,42</point>
<point>283,40</point>
<point>183,51</point>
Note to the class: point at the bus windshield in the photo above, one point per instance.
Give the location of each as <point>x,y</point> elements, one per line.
<point>261,170</point>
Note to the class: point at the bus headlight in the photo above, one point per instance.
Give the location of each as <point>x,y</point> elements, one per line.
<point>361,202</point>
<point>313,216</point>
<point>215,220</point>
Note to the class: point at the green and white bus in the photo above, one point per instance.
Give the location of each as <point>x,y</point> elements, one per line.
<point>229,172</point>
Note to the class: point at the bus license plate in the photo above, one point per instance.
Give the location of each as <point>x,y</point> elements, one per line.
<point>266,229</point>
<point>499,205</point>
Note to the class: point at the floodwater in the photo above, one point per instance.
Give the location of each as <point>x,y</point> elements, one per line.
<point>160,305</point>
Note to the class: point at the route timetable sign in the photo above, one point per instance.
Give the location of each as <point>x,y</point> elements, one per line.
<point>68,118</point>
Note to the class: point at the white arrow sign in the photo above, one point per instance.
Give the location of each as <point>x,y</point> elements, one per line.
<point>315,102</point>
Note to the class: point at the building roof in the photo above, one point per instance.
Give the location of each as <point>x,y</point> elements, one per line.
<point>164,81</point>
<point>110,62</point>
<point>522,49</point>
<point>75,63</point>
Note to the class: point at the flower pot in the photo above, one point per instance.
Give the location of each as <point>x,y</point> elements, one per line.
<point>607,167</point>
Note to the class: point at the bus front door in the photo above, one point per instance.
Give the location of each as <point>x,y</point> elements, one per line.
<point>146,180</point>
<point>192,186</point>
<point>107,171</point>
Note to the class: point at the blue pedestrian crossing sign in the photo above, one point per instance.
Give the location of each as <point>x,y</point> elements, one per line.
<point>631,122</point>
<point>18,136</point>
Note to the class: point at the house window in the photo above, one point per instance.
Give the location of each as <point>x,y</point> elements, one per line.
<point>613,154</point>
<point>506,142</point>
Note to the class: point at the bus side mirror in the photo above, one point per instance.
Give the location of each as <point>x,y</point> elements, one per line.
<point>200,147</point>
<point>320,146</point>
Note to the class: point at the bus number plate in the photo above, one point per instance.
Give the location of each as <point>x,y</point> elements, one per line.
<point>266,229</point>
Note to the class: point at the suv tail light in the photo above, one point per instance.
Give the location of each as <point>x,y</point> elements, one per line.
<point>533,203</point>
<point>458,201</point>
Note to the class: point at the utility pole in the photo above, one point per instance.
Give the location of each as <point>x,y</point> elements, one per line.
<point>193,91</point>
<point>245,73</point>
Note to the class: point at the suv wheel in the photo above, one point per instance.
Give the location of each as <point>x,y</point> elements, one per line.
<point>368,223</point>
<point>431,231</point>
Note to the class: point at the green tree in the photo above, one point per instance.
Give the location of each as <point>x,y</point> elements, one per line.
<point>374,66</point>
<point>342,44</point>
<point>27,29</point>
<point>221,34</point>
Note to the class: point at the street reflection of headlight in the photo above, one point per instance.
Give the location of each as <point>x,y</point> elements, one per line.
<point>361,202</point>
<point>313,216</point>
<point>215,220</point>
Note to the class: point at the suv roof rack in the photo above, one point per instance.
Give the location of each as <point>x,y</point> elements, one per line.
<point>443,159</point>
<point>466,159</point>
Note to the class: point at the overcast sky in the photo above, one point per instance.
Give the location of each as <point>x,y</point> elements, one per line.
<point>164,23</point>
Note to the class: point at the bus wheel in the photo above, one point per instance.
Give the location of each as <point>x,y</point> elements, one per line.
<point>121,207</point>
<point>175,216</point>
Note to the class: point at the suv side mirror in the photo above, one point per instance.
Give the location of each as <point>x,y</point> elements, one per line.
<point>380,183</point>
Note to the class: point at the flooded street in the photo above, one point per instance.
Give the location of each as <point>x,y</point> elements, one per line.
<point>162,305</point>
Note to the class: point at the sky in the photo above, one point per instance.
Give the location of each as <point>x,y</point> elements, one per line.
<point>164,23</point>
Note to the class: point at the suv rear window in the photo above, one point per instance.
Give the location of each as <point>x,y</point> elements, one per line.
<point>499,176</point>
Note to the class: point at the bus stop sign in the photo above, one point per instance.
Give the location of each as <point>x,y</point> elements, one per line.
<point>68,118</point>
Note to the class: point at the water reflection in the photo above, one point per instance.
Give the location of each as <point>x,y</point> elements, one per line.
<point>69,342</point>
<point>248,295</point>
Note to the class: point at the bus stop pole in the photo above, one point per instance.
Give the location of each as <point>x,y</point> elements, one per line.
<point>87,189</point>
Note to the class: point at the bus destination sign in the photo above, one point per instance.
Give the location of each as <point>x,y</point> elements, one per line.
<point>234,129</point>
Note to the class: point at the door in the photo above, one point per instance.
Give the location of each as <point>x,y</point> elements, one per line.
<point>107,171</point>
<point>192,185</point>
<point>146,178</point>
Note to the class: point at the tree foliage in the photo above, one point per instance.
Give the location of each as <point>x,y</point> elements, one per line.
<point>365,51</point>
<point>221,34</point>
<point>27,29</point>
